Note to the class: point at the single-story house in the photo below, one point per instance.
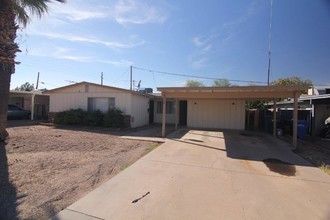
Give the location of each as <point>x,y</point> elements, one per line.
<point>90,97</point>
<point>223,107</point>
<point>35,101</point>
<point>202,107</point>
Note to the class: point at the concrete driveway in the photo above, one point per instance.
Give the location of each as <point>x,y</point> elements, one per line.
<point>212,175</point>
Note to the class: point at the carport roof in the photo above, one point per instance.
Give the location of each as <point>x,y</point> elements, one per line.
<point>232,92</point>
<point>14,93</point>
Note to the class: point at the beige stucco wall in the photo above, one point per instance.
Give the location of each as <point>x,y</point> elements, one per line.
<point>219,114</point>
<point>140,114</point>
<point>170,118</point>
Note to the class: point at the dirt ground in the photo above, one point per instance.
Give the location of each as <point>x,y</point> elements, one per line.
<point>44,169</point>
<point>319,155</point>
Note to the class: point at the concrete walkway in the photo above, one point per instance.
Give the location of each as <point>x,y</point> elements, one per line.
<point>148,133</point>
<point>211,175</point>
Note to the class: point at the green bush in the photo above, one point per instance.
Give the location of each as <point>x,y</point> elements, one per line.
<point>58,118</point>
<point>94,118</point>
<point>114,118</point>
<point>74,117</point>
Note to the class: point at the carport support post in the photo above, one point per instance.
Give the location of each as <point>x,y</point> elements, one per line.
<point>164,118</point>
<point>295,120</point>
<point>32,106</point>
<point>176,113</point>
<point>274,118</point>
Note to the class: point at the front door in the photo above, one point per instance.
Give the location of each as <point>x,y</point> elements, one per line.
<point>183,113</point>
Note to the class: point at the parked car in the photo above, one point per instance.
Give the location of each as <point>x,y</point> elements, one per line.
<point>17,112</point>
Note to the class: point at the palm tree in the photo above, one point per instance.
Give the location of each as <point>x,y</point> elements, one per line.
<point>11,13</point>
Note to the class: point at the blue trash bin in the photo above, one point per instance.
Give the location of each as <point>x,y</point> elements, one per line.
<point>305,123</point>
<point>301,131</point>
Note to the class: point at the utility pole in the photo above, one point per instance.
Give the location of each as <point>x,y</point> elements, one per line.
<point>37,81</point>
<point>101,78</point>
<point>131,78</point>
<point>270,39</point>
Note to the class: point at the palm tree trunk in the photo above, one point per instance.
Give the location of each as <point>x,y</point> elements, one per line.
<point>8,49</point>
<point>4,91</point>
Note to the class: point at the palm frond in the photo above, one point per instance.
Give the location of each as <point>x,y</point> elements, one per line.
<point>36,7</point>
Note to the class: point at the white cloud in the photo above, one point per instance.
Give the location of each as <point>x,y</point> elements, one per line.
<point>75,58</point>
<point>199,63</point>
<point>207,48</point>
<point>252,9</point>
<point>118,63</point>
<point>136,12</point>
<point>77,12</point>
<point>91,40</point>
<point>229,36</point>
<point>204,44</point>
<point>58,53</point>
<point>121,11</point>
<point>115,45</point>
<point>70,54</point>
<point>203,48</point>
<point>197,42</point>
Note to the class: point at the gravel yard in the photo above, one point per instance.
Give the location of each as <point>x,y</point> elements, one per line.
<point>44,169</point>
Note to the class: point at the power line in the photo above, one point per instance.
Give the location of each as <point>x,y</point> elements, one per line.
<point>195,76</point>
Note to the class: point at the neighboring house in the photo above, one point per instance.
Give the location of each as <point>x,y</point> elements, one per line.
<point>314,109</point>
<point>91,97</point>
<point>35,101</point>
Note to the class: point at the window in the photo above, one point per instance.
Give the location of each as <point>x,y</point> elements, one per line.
<point>102,104</point>
<point>159,107</point>
<point>169,107</point>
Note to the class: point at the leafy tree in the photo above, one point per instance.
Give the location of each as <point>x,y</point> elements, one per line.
<point>255,104</point>
<point>291,81</point>
<point>25,87</point>
<point>10,12</point>
<point>194,83</point>
<point>221,83</point>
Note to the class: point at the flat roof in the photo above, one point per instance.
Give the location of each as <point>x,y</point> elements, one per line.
<point>35,92</point>
<point>314,97</point>
<point>232,92</point>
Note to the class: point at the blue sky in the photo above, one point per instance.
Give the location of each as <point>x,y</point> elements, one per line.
<point>78,40</point>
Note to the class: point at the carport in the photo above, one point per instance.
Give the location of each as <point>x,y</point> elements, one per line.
<point>229,96</point>
<point>35,101</point>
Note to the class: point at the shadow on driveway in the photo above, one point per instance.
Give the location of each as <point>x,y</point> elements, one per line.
<point>8,194</point>
<point>259,146</point>
<point>276,154</point>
